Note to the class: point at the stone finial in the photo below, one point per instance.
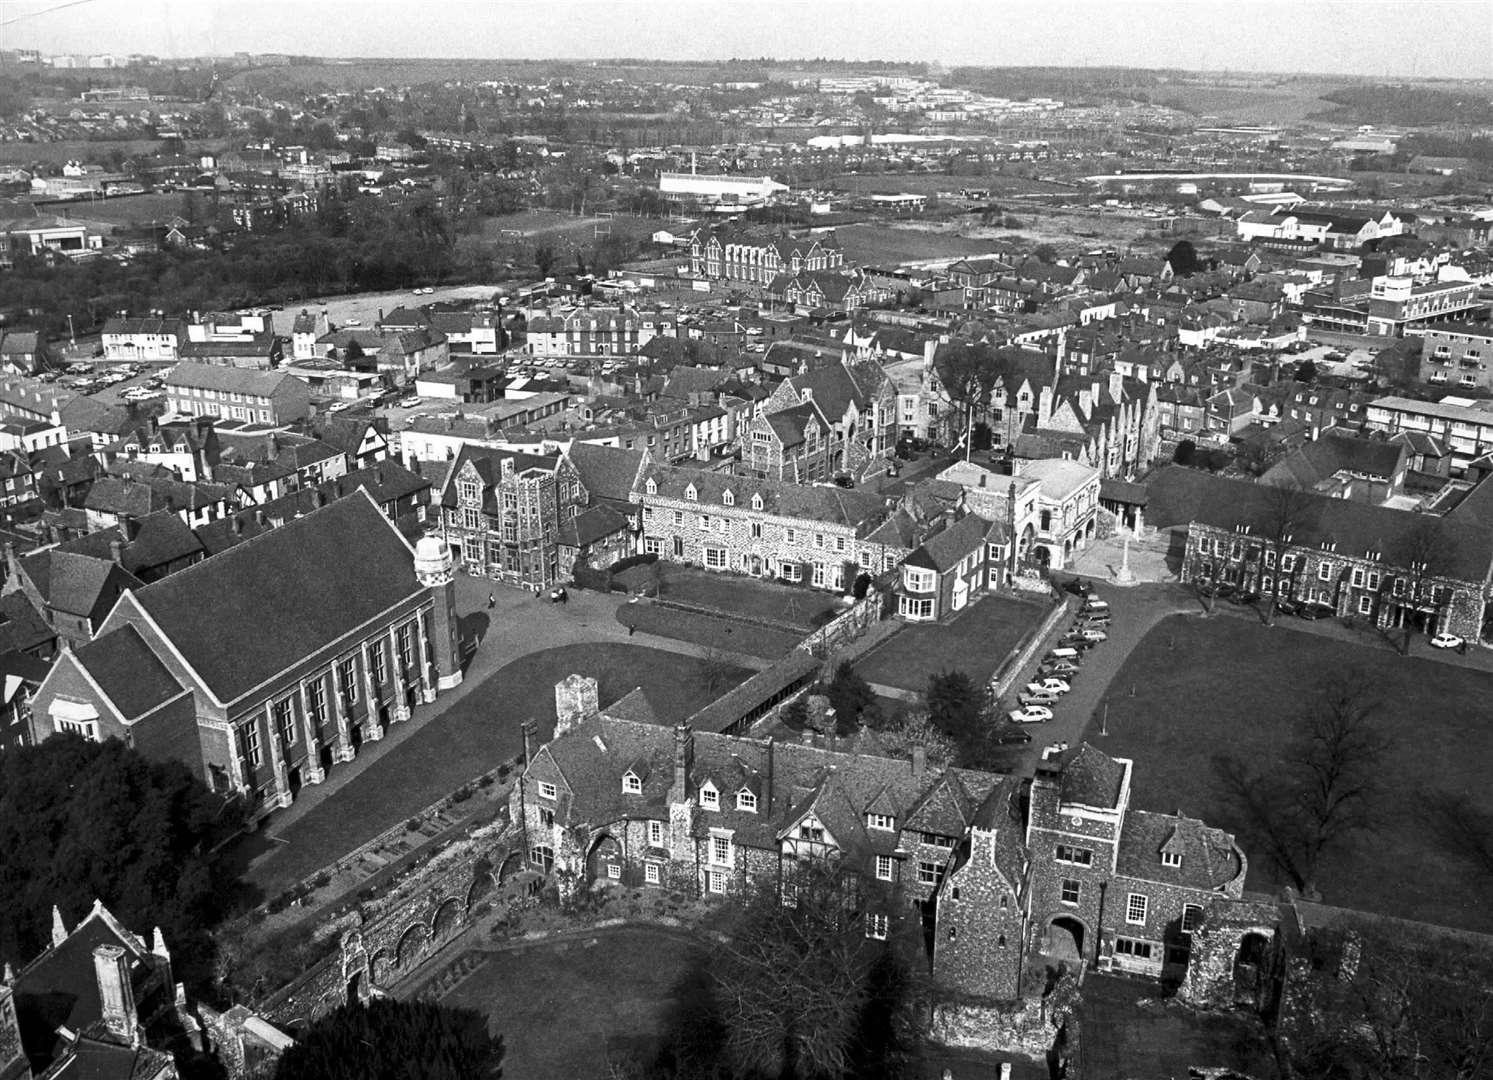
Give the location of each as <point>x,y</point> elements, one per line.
<point>10,975</point>
<point>59,930</point>
<point>158,945</point>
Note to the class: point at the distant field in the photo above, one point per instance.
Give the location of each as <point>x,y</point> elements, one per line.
<point>888,245</point>
<point>563,231</point>
<point>123,210</point>
<point>929,183</point>
<point>22,153</point>
<point>1285,104</point>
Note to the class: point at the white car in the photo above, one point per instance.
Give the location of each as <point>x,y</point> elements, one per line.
<point>1094,605</point>
<point>408,402</point>
<point>1446,641</point>
<point>1093,635</point>
<point>1030,714</point>
<point>1049,685</point>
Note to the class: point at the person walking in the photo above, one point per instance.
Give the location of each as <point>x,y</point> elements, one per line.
<point>492,601</point>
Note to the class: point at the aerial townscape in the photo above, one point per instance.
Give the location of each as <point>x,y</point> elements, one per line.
<point>745,569</point>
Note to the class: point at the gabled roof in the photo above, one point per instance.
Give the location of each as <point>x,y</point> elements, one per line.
<point>69,582</point>
<point>313,580</point>
<point>591,525</point>
<point>1087,776</point>
<point>21,626</point>
<point>125,669</point>
<point>606,472</point>
<point>829,504</point>
<point>944,549</point>
<point>232,379</point>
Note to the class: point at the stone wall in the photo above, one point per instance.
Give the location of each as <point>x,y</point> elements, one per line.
<point>1006,675</point>
<point>847,626</point>
<point>385,937</point>
<point>1029,1027</point>
<point>1211,981</point>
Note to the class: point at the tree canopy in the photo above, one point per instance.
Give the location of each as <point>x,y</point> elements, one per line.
<point>969,373</point>
<point>83,820</point>
<point>1184,259</point>
<point>388,1039</point>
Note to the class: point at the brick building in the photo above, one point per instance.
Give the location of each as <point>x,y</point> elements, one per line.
<point>758,259</point>
<point>821,536</point>
<point>836,419</point>
<point>183,668</point>
<point>1391,568</point>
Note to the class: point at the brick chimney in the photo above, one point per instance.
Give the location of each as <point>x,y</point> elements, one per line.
<point>684,760</point>
<point>116,552</point>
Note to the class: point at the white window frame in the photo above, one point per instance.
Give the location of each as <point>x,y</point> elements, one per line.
<point>715,882</point>
<point>883,868</point>
<point>746,801</point>
<point>655,834</point>
<point>930,873</point>
<point>1074,856</point>
<point>710,798</point>
<point>1365,605</point>
<point>885,822</point>
<point>716,558</point>
<point>1137,907</point>
<point>632,784</point>
<point>877,926</point>
<point>721,851</point>
<point>1324,571</point>
<point>547,790</point>
<point>1171,858</point>
<point>1192,914</point>
<point>652,874</point>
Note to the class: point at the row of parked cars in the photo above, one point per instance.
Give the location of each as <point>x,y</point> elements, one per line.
<point>1060,666</point>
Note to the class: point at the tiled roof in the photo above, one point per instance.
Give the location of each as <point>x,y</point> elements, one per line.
<point>312,580</point>
<point>944,549</point>
<point>1087,776</point>
<point>606,472</point>
<point>128,672</point>
<point>1210,857</point>
<point>232,379</point>
<point>21,625</point>
<point>68,582</point>
<point>592,525</point>
<point>829,504</point>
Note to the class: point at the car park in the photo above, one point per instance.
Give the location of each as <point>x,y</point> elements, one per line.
<point>1094,618</point>
<point>1080,587</point>
<point>1075,639</point>
<point>1062,653</point>
<point>1446,641</point>
<point>1030,714</point>
<point>1049,684</point>
<point>1093,634</point>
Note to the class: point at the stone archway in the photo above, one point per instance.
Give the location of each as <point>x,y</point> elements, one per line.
<point>1041,556</point>
<point>1249,963</point>
<point>482,884</point>
<point>511,865</point>
<point>413,944</point>
<point>380,968</point>
<point>447,920</point>
<point>1065,939</point>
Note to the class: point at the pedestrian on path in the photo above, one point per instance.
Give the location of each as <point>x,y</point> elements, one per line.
<point>492,601</point>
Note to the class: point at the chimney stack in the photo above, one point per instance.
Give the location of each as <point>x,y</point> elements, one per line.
<point>116,995</point>
<point>684,760</point>
<point>259,518</point>
<point>116,552</point>
<point>919,762</point>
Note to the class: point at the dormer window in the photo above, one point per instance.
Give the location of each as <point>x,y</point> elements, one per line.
<point>1171,858</point>
<point>756,502</point>
<point>728,498</point>
<point>884,822</point>
<point>651,487</point>
<point>690,493</point>
<point>710,798</point>
<point>632,784</point>
<point>747,801</point>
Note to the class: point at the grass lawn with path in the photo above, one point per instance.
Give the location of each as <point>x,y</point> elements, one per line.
<point>1203,687</point>
<point>975,641</point>
<point>560,1006</point>
<point>709,631</point>
<point>478,733</point>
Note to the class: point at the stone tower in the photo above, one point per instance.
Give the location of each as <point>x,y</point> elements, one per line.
<point>434,570</point>
<point>12,1057</point>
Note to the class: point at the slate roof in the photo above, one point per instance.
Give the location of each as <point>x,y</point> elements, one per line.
<point>944,549</point>
<point>606,472</point>
<point>232,379</point>
<point>128,671</point>
<point>1316,461</point>
<point>1087,776</point>
<point>1210,858</point>
<point>591,525</point>
<point>830,504</point>
<point>1179,496</point>
<point>69,582</point>
<point>21,626</point>
<point>161,538</point>
<point>789,424</point>
<point>243,617</point>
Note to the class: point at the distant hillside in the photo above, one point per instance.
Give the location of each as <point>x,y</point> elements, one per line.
<point>1407,106</point>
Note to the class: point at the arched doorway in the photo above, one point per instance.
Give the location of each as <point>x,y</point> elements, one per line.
<point>1249,962</point>
<point>1041,556</point>
<point>1065,939</point>
<point>412,947</point>
<point>605,861</point>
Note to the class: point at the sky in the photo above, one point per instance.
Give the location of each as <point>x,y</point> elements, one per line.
<point>1425,38</point>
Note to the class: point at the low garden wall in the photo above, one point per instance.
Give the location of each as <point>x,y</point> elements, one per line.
<point>1036,639</point>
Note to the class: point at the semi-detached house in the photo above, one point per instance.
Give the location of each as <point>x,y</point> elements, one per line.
<point>264,397</point>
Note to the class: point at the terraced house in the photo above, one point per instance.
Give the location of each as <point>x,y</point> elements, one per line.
<point>502,513</point>
<point>1391,568</point>
<point>587,331</point>
<point>821,536</point>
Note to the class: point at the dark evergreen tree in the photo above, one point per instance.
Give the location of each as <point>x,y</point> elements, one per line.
<point>389,1039</point>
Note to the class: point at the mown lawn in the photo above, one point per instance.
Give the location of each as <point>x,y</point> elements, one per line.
<point>1205,687</point>
<point>975,642</point>
<point>564,1009</point>
<point>737,594</point>
<point>709,631</point>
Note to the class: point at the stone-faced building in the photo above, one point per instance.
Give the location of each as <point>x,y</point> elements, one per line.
<point>1389,567</point>
<point>758,259</point>
<point>837,419</point>
<point>503,511</point>
<point>820,536</point>
<point>1070,873</point>
<point>263,666</point>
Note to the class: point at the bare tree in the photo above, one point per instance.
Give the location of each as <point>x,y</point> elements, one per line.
<point>1323,789</point>
<point>1424,553</point>
<point>790,982</point>
<point>716,669</point>
<point>1462,829</point>
<point>1282,517</point>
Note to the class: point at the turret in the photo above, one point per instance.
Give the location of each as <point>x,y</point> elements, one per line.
<point>434,569</point>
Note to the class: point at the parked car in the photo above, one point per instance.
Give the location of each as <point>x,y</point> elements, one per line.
<point>409,402</point>
<point>1245,597</point>
<point>1053,748</point>
<point>1039,697</point>
<point>1050,684</point>
<point>1094,618</point>
<point>1060,669</point>
<point>1287,606</point>
<point>1013,737</point>
<point>1093,634</point>
<point>1446,641</point>
<point>1095,604</point>
<point>1225,589</point>
<point>1030,714</point>
<point>1316,611</point>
